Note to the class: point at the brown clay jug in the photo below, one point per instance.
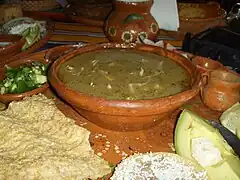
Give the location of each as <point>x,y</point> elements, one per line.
<point>221,90</point>
<point>129,21</point>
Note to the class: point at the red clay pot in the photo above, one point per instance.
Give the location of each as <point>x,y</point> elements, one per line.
<point>129,20</point>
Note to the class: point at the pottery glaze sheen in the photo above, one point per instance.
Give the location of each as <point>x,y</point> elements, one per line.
<point>222,89</point>
<point>129,20</point>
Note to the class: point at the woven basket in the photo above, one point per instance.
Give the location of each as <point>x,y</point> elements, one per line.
<point>39,5</point>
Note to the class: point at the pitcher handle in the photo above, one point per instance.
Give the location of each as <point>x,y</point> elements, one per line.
<point>204,82</point>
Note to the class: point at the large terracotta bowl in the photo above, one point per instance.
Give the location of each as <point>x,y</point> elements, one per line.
<point>124,115</point>
<point>7,98</point>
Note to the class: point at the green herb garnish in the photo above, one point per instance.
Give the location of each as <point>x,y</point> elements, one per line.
<point>23,79</point>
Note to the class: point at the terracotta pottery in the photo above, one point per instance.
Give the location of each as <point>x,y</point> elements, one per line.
<point>49,27</point>
<point>222,89</point>
<point>130,20</point>
<point>159,138</point>
<point>206,64</point>
<point>213,16</point>
<point>7,98</point>
<point>16,43</point>
<point>91,12</point>
<point>54,53</point>
<point>125,115</point>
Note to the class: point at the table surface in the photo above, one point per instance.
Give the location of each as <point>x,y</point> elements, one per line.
<point>73,33</point>
<point>114,146</point>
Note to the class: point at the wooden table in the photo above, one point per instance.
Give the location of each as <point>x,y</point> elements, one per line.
<point>70,33</point>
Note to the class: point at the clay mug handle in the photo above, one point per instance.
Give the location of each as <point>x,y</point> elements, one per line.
<point>204,81</point>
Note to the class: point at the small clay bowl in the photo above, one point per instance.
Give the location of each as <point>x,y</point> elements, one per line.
<point>14,47</point>
<point>7,98</point>
<point>54,53</point>
<point>206,64</point>
<point>214,16</point>
<point>124,115</point>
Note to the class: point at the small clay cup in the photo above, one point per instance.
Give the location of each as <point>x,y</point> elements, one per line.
<point>7,98</point>
<point>124,115</point>
<point>206,64</point>
<point>221,90</point>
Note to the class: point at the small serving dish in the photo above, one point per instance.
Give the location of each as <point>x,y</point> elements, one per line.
<point>123,114</point>
<point>13,28</point>
<point>92,12</point>
<point>54,53</point>
<point>10,45</point>
<point>197,17</point>
<point>7,98</point>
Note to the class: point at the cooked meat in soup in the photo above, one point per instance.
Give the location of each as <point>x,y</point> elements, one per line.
<point>118,74</point>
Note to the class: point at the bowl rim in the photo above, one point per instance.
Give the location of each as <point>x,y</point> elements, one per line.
<point>15,40</point>
<point>100,102</point>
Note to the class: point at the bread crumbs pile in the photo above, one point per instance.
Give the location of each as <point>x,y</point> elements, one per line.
<point>37,141</point>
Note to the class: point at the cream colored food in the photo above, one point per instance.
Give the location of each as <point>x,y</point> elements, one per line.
<point>124,75</point>
<point>158,166</point>
<point>192,12</point>
<point>37,141</point>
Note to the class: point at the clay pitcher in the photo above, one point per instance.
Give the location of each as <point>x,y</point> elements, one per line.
<point>129,21</point>
<point>221,90</point>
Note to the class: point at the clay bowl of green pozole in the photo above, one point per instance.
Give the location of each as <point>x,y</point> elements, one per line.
<point>124,87</point>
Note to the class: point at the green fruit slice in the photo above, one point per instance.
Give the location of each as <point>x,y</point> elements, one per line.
<point>231,118</point>
<point>199,141</point>
<point>31,35</point>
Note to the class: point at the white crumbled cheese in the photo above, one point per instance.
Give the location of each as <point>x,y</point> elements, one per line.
<point>204,152</point>
<point>164,166</point>
<point>18,29</point>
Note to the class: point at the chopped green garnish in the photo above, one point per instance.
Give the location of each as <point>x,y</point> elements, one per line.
<point>31,35</point>
<point>23,79</point>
